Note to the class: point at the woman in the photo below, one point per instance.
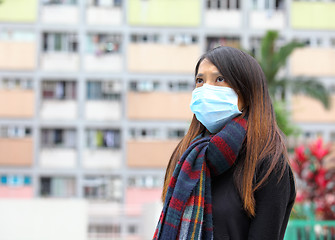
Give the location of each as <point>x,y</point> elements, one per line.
<point>229,177</point>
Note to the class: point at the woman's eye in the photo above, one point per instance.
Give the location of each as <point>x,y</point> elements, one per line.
<point>199,81</point>
<point>220,79</point>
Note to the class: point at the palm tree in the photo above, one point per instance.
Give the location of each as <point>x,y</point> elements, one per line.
<point>272,60</point>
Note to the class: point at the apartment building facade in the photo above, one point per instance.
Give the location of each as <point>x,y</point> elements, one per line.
<point>94,94</point>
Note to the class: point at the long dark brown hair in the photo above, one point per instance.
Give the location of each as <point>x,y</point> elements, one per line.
<point>263,139</point>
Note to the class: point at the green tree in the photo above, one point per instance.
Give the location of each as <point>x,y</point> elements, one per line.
<point>273,59</point>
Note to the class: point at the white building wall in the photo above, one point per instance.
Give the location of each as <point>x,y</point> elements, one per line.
<point>59,14</point>
<point>102,159</point>
<point>223,18</point>
<point>104,16</point>
<point>267,20</point>
<point>41,219</point>
<point>58,110</point>
<point>62,61</point>
<point>58,158</point>
<point>103,110</point>
<point>104,63</point>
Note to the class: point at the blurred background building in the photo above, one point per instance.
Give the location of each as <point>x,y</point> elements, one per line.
<point>94,94</point>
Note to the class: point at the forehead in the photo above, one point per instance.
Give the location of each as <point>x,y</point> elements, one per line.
<point>207,66</point>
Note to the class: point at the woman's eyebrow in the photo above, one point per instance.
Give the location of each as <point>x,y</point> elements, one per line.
<point>216,73</point>
<point>200,74</point>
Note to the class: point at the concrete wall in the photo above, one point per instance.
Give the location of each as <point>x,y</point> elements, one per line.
<point>150,154</point>
<point>308,110</point>
<point>16,151</point>
<point>159,106</point>
<point>17,55</point>
<point>316,62</point>
<point>17,103</point>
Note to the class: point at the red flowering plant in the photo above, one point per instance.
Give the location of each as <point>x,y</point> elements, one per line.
<point>315,183</point>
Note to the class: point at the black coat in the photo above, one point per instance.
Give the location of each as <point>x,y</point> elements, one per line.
<point>274,202</point>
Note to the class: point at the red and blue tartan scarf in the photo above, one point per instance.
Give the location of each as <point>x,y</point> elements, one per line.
<point>187,210</point>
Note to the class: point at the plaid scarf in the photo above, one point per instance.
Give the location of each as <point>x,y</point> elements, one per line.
<point>187,210</point>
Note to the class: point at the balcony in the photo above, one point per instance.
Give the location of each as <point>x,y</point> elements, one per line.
<point>316,62</point>
<point>58,158</point>
<point>103,110</point>
<point>156,58</point>
<point>16,152</point>
<point>223,18</point>
<point>150,154</point>
<point>60,61</point>
<point>159,106</point>
<point>267,19</point>
<point>58,110</point>
<point>50,14</point>
<point>104,63</point>
<point>17,103</point>
<point>105,159</point>
<point>111,16</point>
<point>58,148</point>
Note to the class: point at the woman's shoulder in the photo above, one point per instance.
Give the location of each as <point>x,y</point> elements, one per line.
<point>281,171</point>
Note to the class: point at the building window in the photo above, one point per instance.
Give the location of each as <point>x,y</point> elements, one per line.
<point>104,138</point>
<point>103,44</point>
<point>132,229</point>
<point>181,86</point>
<point>15,132</point>
<point>183,39</point>
<point>65,90</point>
<point>103,188</point>
<point>332,137</point>
<point>60,42</point>
<point>144,86</point>
<point>63,138</point>
<point>107,90</point>
<point>144,38</point>
<point>104,231</point>
<point>104,3</point>
<point>57,187</point>
<point>213,42</point>
<point>59,2</point>
<point>17,36</point>
<point>145,181</point>
<point>15,180</point>
<point>223,4</point>
<point>268,4</point>
<point>144,133</point>
<point>176,133</point>
<point>16,83</point>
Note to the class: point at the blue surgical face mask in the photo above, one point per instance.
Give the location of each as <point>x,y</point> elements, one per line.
<point>214,105</point>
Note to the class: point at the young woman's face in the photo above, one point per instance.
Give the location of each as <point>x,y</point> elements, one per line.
<point>209,74</point>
